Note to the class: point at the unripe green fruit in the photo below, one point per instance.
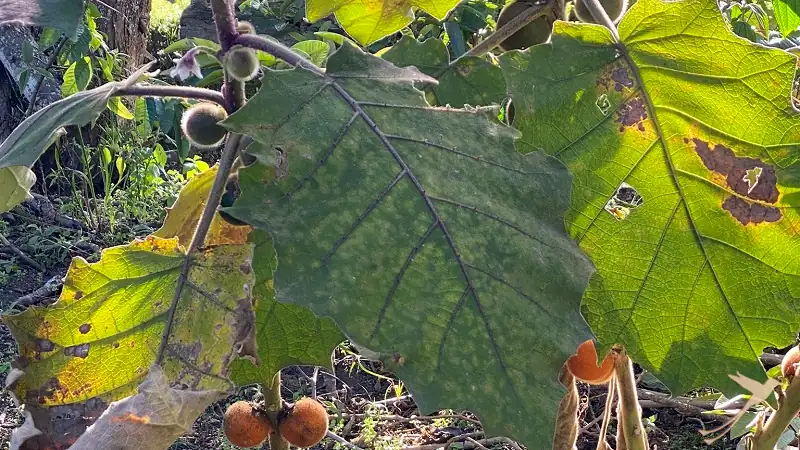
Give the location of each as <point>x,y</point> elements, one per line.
<point>199,125</point>
<point>614,9</point>
<point>242,63</point>
<point>531,34</point>
<point>245,27</point>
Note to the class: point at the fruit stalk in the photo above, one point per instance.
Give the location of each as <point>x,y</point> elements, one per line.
<point>273,404</point>
<point>629,413</point>
<point>141,90</point>
<point>600,16</point>
<point>779,421</point>
<point>503,33</point>
<point>567,420</point>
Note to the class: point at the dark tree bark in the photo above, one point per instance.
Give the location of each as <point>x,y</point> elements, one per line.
<point>126,23</point>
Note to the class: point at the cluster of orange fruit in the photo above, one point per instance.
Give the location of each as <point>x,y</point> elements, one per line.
<point>303,424</point>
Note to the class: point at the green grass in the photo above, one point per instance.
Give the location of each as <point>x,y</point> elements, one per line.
<point>165,15</point>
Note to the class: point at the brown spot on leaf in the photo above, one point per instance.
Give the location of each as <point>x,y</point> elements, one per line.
<point>632,113</point>
<point>78,351</point>
<point>45,345</point>
<point>115,345</point>
<point>132,418</point>
<point>245,268</point>
<point>746,212</point>
<point>78,295</point>
<point>84,328</point>
<point>748,177</point>
<point>621,78</point>
<point>722,160</point>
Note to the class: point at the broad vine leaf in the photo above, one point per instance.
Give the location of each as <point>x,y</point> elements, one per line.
<point>422,233</point>
<point>286,334</point>
<point>470,81</point>
<point>65,15</point>
<point>113,318</point>
<point>684,145</point>
<point>787,15</point>
<point>369,20</point>
<point>15,186</point>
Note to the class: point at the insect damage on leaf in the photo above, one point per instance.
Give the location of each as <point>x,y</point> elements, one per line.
<point>750,178</point>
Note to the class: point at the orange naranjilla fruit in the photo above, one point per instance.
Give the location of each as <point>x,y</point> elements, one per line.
<point>244,426</point>
<point>790,362</point>
<point>583,365</point>
<point>305,423</point>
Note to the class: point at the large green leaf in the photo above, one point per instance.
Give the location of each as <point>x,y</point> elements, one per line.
<point>470,81</point>
<point>62,14</point>
<point>422,232</point>
<point>369,20</point>
<point>703,274</point>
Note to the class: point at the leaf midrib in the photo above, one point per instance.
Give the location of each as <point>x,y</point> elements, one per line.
<point>406,171</point>
<point>673,176</point>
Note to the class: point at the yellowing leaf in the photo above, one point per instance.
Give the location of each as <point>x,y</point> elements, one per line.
<point>15,186</point>
<point>369,20</point>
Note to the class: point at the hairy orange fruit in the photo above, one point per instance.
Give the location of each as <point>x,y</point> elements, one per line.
<point>244,426</point>
<point>790,362</point>
<point>305,423</point>
<point>584,365</point>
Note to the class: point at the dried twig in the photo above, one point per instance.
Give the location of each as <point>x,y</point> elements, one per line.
<point>333,436</point>
<point>22,256</point>
<point>396,418</point>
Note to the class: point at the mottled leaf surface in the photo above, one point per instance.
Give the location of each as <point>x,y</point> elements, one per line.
<point>286,333</point>
<point>422,232</point>
<point>470,81</point>
<point>65,15</point>
<point>684,147</point>
<point>98,342</point>
<point>369,20</point>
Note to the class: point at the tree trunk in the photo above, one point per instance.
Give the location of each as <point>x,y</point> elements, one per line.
<point>126,23</point>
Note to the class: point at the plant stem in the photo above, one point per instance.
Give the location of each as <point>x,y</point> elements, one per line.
<point>32,103</point>
<point>225,23</point>
<point>780,420</point>
<point>601,17</point>
<point>629,413</point>
<point>273,404</point>
<point>277,50</point>
<point>141,90</point>
<point>217,189</point>
<point>501,34</point>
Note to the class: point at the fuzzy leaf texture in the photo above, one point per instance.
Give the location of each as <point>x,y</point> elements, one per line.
<point>471,81</point>
<point>97,342</point>
<point>370,20</point>
<point>684,145</point>
<point>422,233</point>
<point>65,15</point>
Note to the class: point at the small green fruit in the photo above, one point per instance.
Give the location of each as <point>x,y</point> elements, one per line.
<point>614,9</point>
<point>200,125</point>
<point>242,63</point>
<point>531,34</point>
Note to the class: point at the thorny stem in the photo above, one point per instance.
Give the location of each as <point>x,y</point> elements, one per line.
<point>780,420</point>
<point>601,17</point>
<point>273,404</point>
<point>629,413</point>
<point>501,34</point>
<point>172,91</point>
